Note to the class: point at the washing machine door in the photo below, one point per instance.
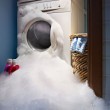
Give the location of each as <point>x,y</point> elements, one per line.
<point>38,35</point>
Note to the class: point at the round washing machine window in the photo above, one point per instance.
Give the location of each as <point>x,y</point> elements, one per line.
<point>38,35</point>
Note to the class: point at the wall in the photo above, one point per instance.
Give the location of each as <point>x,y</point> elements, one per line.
<point>8,30</point>
<point>106,49</point>
<point>78,14</point>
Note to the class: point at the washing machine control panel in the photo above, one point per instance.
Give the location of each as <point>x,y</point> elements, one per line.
<point>53,5</point>
<point>49,5</point>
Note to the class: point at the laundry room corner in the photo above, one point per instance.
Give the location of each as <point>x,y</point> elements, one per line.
<point>51,55</point>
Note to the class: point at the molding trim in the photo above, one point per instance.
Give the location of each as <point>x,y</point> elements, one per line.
<point>95,45</point>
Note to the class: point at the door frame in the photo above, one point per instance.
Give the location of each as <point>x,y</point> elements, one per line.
<point>95,46</point>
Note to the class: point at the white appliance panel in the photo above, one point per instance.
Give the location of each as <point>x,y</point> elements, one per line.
<point>64,19</point>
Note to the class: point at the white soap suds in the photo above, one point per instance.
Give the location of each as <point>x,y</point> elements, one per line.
<point>45,82</point>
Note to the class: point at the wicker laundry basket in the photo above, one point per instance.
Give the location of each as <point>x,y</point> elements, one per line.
<point>79,61</point>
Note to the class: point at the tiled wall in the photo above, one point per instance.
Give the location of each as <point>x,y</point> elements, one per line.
<point>106,49</point>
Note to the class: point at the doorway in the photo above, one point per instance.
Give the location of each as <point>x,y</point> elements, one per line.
<point>93,28</point>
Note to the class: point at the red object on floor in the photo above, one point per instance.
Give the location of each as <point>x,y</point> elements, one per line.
<point>13,68</point>
<point>7,67</point>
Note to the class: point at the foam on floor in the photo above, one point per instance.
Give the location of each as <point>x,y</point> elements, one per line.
<point>45,82</point>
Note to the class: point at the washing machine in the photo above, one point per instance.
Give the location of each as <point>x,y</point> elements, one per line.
<point>57,18</point>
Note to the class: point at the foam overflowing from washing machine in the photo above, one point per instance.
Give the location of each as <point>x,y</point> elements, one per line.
<point>45,82</point>
<point>28,15</point>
